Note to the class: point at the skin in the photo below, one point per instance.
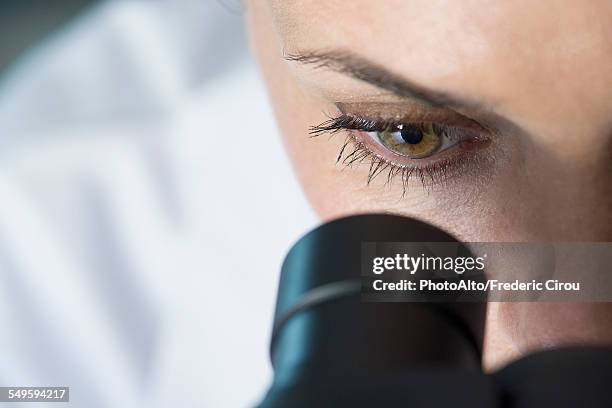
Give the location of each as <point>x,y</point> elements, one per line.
<point>539,74</point>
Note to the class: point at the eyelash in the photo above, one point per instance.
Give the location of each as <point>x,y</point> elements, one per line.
<point>432,173</point>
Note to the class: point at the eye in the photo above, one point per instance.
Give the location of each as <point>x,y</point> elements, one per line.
<point>415,141</point>
<point>378,140</point>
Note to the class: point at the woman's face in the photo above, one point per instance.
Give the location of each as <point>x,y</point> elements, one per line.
<point>493,122</point>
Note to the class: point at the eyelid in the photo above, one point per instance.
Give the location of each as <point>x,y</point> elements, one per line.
<point>408,113</point>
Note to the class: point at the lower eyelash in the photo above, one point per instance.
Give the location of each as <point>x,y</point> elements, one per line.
<point>429,175</point>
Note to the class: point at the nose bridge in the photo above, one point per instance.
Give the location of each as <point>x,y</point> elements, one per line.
<point>572,180</point>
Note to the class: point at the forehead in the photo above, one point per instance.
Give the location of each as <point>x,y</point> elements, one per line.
<point>501,50</point>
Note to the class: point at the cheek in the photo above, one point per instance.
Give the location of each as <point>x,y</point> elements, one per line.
<point>313,158</point>
<point>331,192</point>
<point>295,112</point>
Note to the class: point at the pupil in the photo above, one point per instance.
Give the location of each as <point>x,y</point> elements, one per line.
<point>411,134</point>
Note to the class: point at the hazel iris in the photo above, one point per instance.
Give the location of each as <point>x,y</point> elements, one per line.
<point>415,141</point>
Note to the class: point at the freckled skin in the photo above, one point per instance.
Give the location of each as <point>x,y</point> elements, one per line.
<point>545,65</point>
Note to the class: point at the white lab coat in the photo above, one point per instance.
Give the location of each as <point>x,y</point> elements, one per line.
<point>146,205</point>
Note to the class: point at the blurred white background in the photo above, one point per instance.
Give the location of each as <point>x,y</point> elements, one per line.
<point>146,205</point>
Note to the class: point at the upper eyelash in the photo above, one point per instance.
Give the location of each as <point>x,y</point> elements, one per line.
<point>345,121</point>
<point>351,122</point>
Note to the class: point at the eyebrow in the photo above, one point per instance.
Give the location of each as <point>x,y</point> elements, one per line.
<point>359,68</point>
<point>355,66</point>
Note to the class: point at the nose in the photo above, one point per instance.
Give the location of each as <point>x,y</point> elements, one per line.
<point>571,178</point>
